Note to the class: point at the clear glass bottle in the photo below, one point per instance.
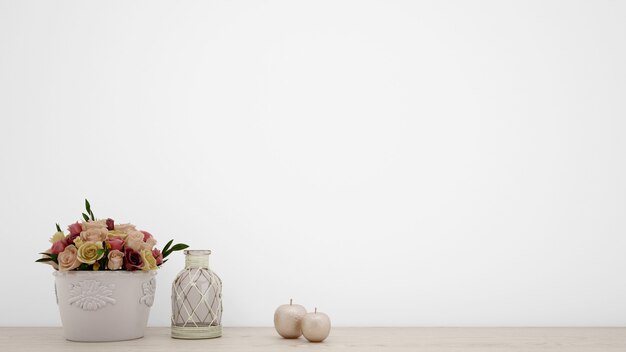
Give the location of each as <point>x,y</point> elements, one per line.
<point>197,299</point>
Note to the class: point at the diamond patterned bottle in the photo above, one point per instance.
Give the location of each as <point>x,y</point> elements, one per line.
<point>197,299</point>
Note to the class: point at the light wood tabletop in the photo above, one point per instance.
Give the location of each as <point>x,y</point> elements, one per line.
<point>340,339</point>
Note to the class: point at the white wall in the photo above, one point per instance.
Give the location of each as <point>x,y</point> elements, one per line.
<point>390,162</point>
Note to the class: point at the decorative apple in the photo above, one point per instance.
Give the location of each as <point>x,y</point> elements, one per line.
<point>316,326</point>
<point>288,320</point>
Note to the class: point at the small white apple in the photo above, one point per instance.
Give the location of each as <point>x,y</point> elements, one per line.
<point>316,326</point>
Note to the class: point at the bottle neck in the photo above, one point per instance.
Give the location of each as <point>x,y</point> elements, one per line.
<point>196,261</point>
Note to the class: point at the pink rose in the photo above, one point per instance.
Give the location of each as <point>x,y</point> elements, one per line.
<point>58,247</point>
<point>97,224</point>
<point>68,259</point>
<point>146,235</point>
<point>110,224</point>
<point>75,229</point>
<point>132,260</point>
<point>96,234</point>
<point>116,243</point>
<point>116,259</point>
<point>158,256</point>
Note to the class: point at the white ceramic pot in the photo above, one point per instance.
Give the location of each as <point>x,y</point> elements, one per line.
<point>104,305</point>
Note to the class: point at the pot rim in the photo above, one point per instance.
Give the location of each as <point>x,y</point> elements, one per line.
<point>104,272</point>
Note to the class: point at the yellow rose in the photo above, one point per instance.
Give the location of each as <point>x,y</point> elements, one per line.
<point>149,263</point>
<point>78,242</point>
<point>57,237</point>
<point>89,252</point>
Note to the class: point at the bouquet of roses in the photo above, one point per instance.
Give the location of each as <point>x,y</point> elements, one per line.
<point>104,245</point>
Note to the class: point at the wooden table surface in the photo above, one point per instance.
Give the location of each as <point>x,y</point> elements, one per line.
<point>340,339</point>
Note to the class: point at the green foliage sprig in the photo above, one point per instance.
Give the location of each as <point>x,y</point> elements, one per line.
<point>88,208</point>
<point>167,250</point>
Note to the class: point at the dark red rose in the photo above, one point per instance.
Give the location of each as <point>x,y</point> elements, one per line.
<point>110,224</point>
<point>69,239</point>
<point>132,260</point>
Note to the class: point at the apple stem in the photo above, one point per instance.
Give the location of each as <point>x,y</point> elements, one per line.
<point>290,301</point>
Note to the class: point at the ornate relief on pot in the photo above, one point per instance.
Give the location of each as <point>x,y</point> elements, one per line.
<point>91,295</point>
<point>148,289</point>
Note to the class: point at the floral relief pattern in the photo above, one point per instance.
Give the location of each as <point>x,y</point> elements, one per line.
<point>148,292</point>
<point>91,295</point>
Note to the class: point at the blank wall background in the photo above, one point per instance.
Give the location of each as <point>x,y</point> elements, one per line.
<point>436,163</point>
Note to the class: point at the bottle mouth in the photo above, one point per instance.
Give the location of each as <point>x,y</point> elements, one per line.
<point>197,252</point>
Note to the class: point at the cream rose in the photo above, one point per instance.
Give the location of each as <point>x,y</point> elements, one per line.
<point>94,234</point>
<point>89,252</point>
<point>135,241</point>
<point>126,228</point>
<point>57,237</point>
<point>149,244</point>
<point>116,260</point>
<point>117,234</point>
<point>149,263</point>
<point>68,259</point>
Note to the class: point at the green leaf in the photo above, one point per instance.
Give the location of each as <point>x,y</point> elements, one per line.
<point>51,256</point>
<point>88,208</point>
<point>176,247</point>
<point>86,217</point>
<point>42,260</point>
<point>103,263</point>
<point>167,246</point>
<point>59,228</point>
